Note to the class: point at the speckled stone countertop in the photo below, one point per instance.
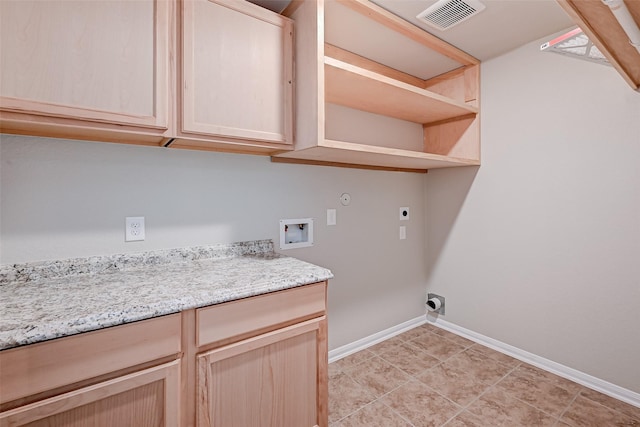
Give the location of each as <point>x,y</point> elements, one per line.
<point>42,301</point>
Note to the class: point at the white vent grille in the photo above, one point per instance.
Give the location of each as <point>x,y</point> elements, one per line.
<point>575,44</point>
<point>449,13</point>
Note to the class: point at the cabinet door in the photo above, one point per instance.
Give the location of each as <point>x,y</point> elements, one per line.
<point>277,379</point>
<point>94,63</point>
<point>237,67</point>
<point>149,398</point>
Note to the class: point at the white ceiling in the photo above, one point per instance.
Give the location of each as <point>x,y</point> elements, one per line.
<point>275,5</point>
<point>503,26</point>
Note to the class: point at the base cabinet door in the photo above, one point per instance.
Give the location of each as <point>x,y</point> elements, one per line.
<point>272,380</point>
<point>148,398</point>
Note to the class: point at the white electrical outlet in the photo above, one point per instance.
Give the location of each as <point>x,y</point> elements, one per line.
<point>134,228</point>
<point>403,232</point>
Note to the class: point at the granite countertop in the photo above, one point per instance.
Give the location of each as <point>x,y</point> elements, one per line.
<point>42,301</point>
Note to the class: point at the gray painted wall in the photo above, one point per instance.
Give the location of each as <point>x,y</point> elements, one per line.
<point>62,199</point>
<point>540,246</point>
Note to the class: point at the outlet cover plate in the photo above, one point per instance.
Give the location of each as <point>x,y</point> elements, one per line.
<point>134,229</point>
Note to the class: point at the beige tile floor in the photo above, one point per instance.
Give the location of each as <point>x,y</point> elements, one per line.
<point>430,377</point>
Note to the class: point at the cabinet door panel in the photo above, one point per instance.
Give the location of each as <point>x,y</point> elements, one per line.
<point>148,398</point>
<point>97,60</point>
<point>270,380</point>
<point>237,70</point>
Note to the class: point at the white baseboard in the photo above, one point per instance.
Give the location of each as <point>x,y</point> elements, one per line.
<point>574,375</point>
<point>586,380</point>
<point>361,344</point>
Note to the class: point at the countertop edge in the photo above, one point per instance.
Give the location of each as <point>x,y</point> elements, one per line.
<point>51,307</point>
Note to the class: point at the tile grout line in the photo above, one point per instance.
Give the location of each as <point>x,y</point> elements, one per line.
<point>411,376</point>
<point>490,387</point>
<point>556,417</point>
<point>374,400</point>
<point>595,384</point>
<point>494,386</point>
<point>376,397</point>
<point>605,406</point>
<point>414,377</point>
<point>399,414</point>
<point>421,331</point>
<point>440,362</point>
<point>567,408</point>
<point>460,407</point>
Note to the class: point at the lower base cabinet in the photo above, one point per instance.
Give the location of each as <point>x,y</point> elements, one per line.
<point>255,362</point>
<point>148,398</point>
<point>267,381</point>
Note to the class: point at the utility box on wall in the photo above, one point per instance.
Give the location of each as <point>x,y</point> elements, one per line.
<point>296,233</point>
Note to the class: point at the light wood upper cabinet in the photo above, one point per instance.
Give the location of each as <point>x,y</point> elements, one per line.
<point>394,98</point>
<point>93,69</point>
<point>202,74</point>
<point>236,77</point>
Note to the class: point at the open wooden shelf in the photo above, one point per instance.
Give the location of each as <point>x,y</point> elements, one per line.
<point>388,118</point>
<point>355,87</point>
<point>335,153</point>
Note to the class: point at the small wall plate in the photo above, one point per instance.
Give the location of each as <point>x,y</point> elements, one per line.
<point>441,309</point>
<point>404,214</point>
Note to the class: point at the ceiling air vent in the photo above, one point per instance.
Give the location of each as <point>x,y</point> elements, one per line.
<point>448,13</point>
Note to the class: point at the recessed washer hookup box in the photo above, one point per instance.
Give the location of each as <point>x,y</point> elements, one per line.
<point>296,233</point>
